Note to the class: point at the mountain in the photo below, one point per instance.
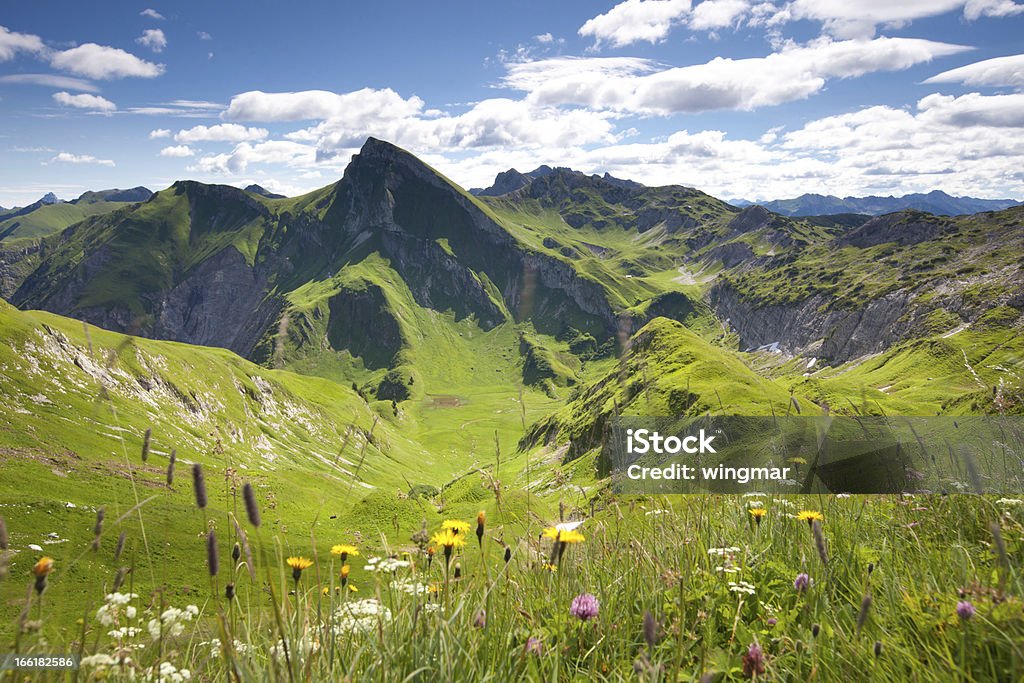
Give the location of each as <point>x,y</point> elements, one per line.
<point>936,202</point>
<point>49,215</point>
<point>135,194</point>
<point>382,278</point>
<point>263,192</point>
<point>512,180</point>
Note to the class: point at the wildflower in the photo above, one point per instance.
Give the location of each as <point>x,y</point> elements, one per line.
<point>410,587</point>
<point>229,591</point>
<point>965,610</point>
<point>508,554</point>
<point>359,615</point>
<point>771,621</point>
<point>119,548</point>
<point>455,525</point>
<point>251,509</point>
<point>385,564</point>
<point>212,556</point>
<point>116,606</point>
<point>650,629</point>
<point>171,622</point>
<point>199,485</point>
<point>802,582</point>
<point>42,569</point>
<point>344,574</point>
<point>815,629</point>
<point>742,587</point>
<point>723,552</point>
<point>757,514</point>
<point>533,646</point>
<point>753,661</point>
<point>480,518</point>
<point>448,539</point>
<point>236,553</point>
<point>345,551</point>
<point>810,516</point>
<point>457,574</point>
<point>298,564</point>
<point>862,616</point>
<point>585,607</point>
<point>549,567</point>
<point>480,619</point>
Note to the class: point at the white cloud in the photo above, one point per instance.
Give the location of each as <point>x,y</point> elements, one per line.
<point>975,9</point>
<point>177,151</point>
<point>223,132</point>
<point>634,21</point>
<point>861,18</point>
<point>152,14</point>
<point>366,104</point>
<point>270,152</point>
<point>50,81</point>
<point>1000,71</point>
<point>69,158</point>
<point>544,38</point>
<point>102,62</point>
<point>712,14</point>
<point>11,43</point>
<point>159,133</point>
<point>83,101</point>
<point>203,35</point>
<point>638,86</point>
<point>974,110</point>
<point>153,38</point>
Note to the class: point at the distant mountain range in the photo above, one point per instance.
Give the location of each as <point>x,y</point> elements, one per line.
<point>48,214</point>
<point>936,202</point>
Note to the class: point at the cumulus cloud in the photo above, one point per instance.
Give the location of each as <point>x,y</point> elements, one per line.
<point>974,110</point>
<point>177,151</point>
<point>50,81</point>
<point>223,132</point>
<point>11,43</point>
<point>861,18</point>
<point>159,133</point>
<point>83,101</point>
<point>1000,71</point>
<point>713,14</point>
<point>365,104</point>
<point>638,86</point>
<point>636,21</point>
<point>103,62</point>
<point>270,152</point>
<point>153,38</point>
<point>152,14</point>
<point>69,158</point>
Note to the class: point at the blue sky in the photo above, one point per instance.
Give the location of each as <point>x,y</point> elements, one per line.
<point>754,99</point>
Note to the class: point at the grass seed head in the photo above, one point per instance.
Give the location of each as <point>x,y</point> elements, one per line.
<point>199,485</point>
<point>251,509</point>
<point>212,556</point>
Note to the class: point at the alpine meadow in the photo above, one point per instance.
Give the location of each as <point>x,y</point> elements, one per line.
<point>376,430</point>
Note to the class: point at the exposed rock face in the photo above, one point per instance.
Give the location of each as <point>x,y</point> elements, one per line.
<point>263,192</point>
<point>362,322</point>
<point>904,228</point>
<point>505,182</point>
<point>845,333</point>
<point>15,266</point>
<point>133,195</point>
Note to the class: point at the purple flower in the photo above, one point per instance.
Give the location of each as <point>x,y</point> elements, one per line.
<point>965,610</point>
<point>801,583</point>
<point>534,646</point>
<point>480,620</point>
<point>584,607</point>
<point>772,621</point>
<point>753,661</point>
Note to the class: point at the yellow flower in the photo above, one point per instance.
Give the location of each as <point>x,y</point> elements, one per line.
<point>810,516</point>
<point>550,567</point>
<point>448,539</point>
<point>298,564</point>
<point>344,572</point>
<point>456,525</point>
<point>352,589</point>
<point>551,532</point>
<point>326,590</point>
<point>571,537</point>
<point>758,513</point>
<point>43,567</point>
<point>345,551</point>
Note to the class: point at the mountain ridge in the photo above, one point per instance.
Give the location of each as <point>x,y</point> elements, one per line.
<point>936,202</point>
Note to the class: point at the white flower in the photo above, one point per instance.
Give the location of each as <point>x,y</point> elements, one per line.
<point>168,673</point>
<point>361,615</point>
<point>741,587</point>
<point>124,632</point>
<point>410,586</point>
<point>728,569</point>
<point>385,564</point>
<point>1010,502</point>
<point>755,504</point>
<point>171,622</point>
<point>116,606</point>
<point>723,552</point>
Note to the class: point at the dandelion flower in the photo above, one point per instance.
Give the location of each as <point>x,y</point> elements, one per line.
<point>298,564</point>
<point>757,514</point>
<point>480,519</point>
<point>41,570</point>
<point>810,516</point>
<point>455,525</point>
<point>585,607</point>
<point>571,537</point>
<point>345,551</point>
